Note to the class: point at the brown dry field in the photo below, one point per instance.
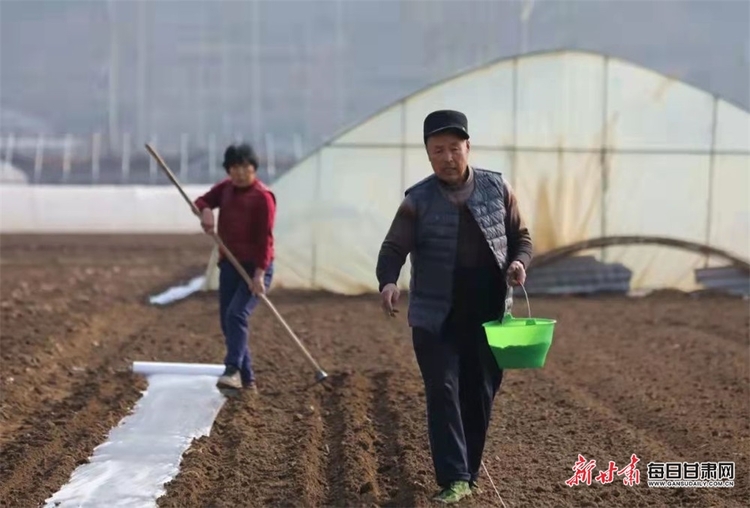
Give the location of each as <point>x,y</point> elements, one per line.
<point>664,377</point>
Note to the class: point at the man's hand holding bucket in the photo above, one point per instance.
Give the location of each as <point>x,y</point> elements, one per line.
<point>517,273</point>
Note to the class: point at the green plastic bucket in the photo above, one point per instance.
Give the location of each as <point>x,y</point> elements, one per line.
<point>520,343</point>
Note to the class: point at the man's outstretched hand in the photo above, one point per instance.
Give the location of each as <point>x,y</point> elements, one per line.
<point>389,298</point>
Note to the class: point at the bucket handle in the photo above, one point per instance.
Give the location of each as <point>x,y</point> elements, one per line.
<point>528,305</point>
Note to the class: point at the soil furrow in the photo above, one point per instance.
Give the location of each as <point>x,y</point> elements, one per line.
<point>352,469</point>
<point>202,471</point>
<point>41,460</point>
<point>199,471</point>
<point>729,321</point>
<point>307,455</point>
<point>398,486</point>
<point>225,468</point>
<point>55,368</point>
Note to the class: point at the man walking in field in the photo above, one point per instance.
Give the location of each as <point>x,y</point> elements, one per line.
<point>463,230</point>
<point>247,210</point>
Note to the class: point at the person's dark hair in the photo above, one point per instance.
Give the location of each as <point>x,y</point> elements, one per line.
<point>239,154</point>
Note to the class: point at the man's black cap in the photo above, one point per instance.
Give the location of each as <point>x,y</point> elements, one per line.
<point>240,154</point>
<point>444,120</point>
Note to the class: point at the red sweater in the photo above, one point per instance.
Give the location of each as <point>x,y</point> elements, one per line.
<point>246,220</point>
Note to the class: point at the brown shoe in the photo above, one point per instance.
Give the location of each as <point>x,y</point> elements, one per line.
<point>250,387</point>
<point>230,379</point>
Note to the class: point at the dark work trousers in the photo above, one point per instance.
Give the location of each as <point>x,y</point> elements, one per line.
<point>236,304</point>
<point>460,375</point>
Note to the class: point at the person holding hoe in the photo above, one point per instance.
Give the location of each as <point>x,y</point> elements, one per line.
<point>468,243</point>
<point>247,210</point>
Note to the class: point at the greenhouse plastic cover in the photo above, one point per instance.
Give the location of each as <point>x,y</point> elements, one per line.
<point>593,146</point>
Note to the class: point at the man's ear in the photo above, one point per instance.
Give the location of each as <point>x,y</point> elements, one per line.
<point>468,145</point>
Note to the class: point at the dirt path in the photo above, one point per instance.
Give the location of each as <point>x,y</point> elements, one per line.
<point>665,378</point>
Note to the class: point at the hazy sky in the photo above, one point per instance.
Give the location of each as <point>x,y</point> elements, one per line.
<point>54,56</point>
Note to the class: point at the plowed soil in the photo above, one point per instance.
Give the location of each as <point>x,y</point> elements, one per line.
<point>665,377</point>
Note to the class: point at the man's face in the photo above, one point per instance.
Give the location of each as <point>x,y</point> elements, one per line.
<point>449,156</point>
<point>242,175</point>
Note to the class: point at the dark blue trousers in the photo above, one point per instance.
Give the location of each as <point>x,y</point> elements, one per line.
<point>236,304</point>
<point>461,377</point>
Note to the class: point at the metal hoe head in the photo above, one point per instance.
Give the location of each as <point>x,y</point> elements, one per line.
<point>320,376</point>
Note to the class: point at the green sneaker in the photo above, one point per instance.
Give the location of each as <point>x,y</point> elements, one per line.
<point>474,485</point>
<point>454,493</point>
